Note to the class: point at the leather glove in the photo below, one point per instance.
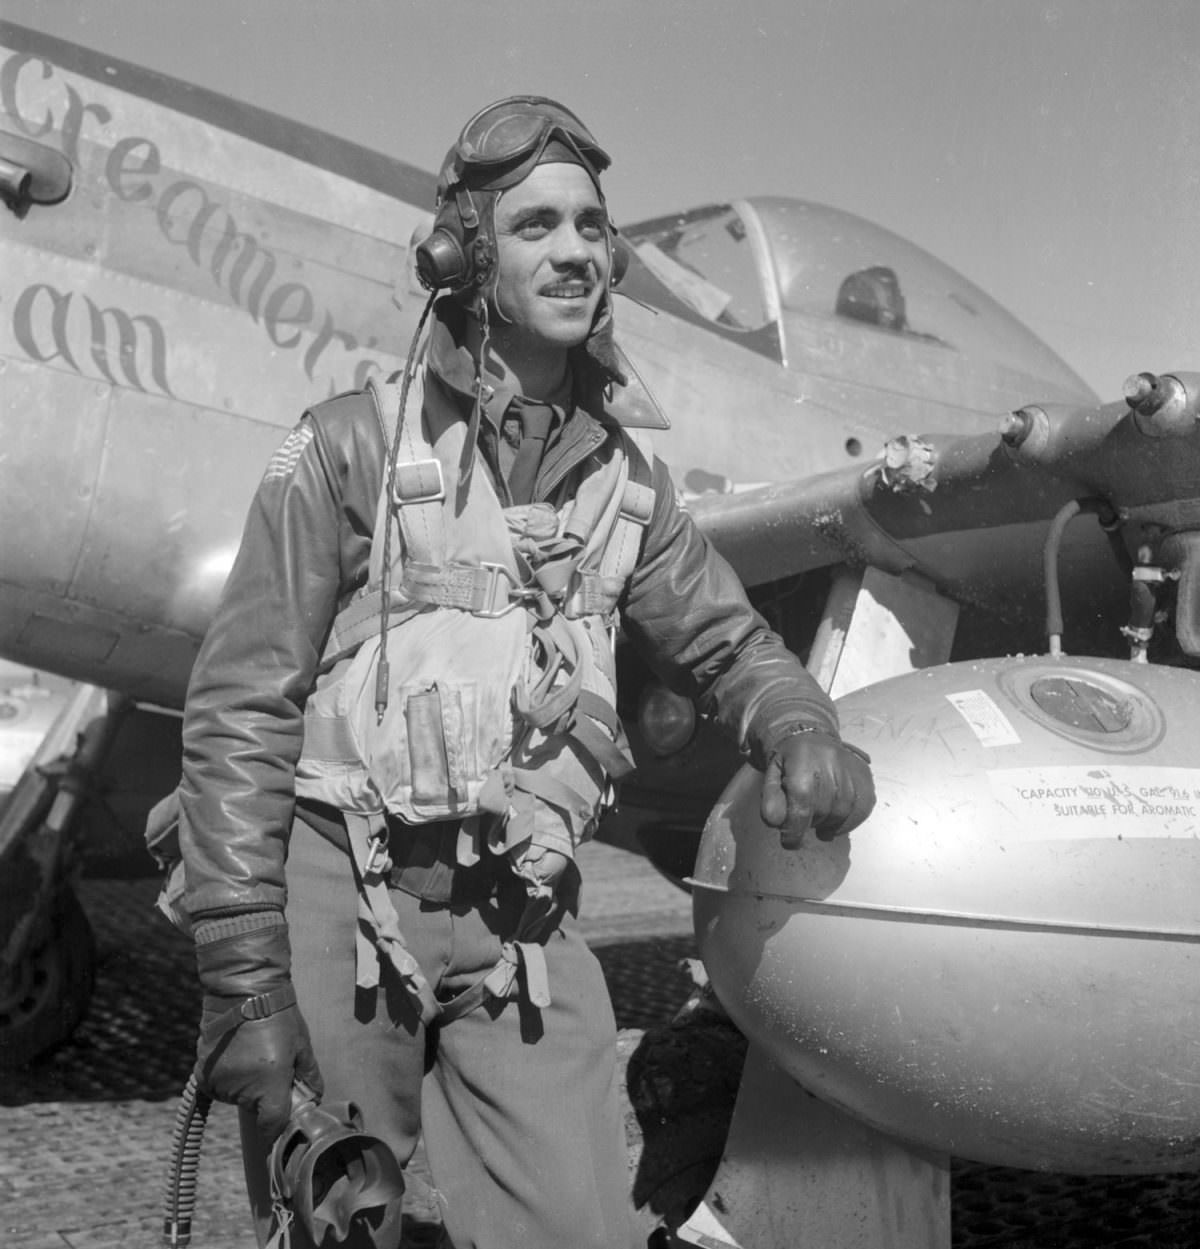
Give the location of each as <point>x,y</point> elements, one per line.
<point>253,1041</point>
<point>813,778</point>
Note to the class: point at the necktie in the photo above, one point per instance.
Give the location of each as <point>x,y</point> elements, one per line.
<point>535,428</point>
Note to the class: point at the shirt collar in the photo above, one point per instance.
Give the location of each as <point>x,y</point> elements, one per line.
<point>595,395</point>
<point>453,363</point>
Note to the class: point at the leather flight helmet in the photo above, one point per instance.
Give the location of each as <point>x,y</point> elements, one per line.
<point>496,149</point>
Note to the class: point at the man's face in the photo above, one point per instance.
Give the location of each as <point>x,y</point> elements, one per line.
<point>552,254</point>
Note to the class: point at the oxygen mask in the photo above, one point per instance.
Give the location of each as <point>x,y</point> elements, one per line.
<point>341,1185</point>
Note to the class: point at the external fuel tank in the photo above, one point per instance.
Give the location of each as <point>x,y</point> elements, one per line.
<point>1003,962</point>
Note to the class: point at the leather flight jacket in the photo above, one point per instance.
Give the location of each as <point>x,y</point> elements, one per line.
<point>304,555</point>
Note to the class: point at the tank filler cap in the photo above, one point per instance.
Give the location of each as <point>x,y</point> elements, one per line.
<point>1085,705</point>
<point>1081,705</point>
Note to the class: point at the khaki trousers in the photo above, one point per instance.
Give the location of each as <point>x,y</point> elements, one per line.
<point>518,1107</point>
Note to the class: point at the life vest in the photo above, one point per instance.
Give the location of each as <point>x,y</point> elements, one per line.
<point>498,692</point>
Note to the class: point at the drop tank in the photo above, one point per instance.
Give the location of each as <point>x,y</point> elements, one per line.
<point>1003,962</point>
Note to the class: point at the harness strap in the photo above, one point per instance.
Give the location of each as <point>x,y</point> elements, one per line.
<point>420,481</point>
<point>594,595</point>
<point>420,488</point>
<point>597,590</point>
<point>637,507</point>
<point>379,932</point>
<point>591,704</point>
<point>521,959</point>
<point>483,589</point>
<point>548,789</point>
<point>553,575</point>
<point>490,590</point>
<point>601,746</point>
<point>328,739</point>
<point>504,981</point>
<point>542,705</point>
<point>358,622</point>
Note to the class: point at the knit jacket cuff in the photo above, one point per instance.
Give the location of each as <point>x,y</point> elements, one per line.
<point>206,931</point>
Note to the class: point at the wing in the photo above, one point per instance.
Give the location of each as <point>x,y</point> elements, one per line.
<point>971,514</point>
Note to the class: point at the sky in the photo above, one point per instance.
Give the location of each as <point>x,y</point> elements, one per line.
<point>1048,149</point>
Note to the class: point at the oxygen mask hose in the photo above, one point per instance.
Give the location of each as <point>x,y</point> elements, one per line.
<point>179,1200</point>
<point>341,1185</point>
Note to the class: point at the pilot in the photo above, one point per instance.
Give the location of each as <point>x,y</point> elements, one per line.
<point>380,868</point>
<point>873,295</point>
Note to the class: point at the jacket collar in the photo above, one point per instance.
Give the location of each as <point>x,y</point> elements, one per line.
<point>596,394</point>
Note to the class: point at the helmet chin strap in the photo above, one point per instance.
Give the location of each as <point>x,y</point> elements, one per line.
<point>490,292</point>
<point>494,303</point>
<point>466,461</point>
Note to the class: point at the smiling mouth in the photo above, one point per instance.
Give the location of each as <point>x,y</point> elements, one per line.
<point>567,290</point>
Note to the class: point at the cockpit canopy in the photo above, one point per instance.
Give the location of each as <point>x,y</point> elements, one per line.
<point>769,272</point>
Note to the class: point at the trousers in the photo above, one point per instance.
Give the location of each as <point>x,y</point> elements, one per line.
<point>517,1106</point>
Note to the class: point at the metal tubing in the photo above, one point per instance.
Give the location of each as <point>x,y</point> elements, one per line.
<point>1062,518</point>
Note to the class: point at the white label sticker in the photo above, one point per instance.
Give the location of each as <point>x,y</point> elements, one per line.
<point>986,720</point>
<point>1092,801</point>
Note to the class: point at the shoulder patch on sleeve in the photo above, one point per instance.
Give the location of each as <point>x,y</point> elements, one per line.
<point>283,462</point>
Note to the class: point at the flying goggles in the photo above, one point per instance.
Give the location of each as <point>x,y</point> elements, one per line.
<point>504,141</point>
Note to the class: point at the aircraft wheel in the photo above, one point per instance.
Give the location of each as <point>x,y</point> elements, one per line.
<point>44,997</point>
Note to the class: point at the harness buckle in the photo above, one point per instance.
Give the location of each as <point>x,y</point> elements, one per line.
<point>378,860</point>
<point>502,592</point>
<point>420,481</point>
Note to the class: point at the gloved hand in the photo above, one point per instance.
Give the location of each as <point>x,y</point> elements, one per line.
<point>814,778</point>
<point>253,1040</point>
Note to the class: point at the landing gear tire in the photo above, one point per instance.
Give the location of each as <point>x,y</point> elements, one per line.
<point>44,997</point>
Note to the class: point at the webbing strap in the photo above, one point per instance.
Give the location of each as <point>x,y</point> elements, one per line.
<point>503,981</point>
<point>483,589</point>
<point>520,959</point>
<point>328,740</point>
<point>379,932</point>
<point>420,481</point>
<point>554,574</point>
<point>260,1006</point>
<point>419,505</point>
<point>637,503</point>
<point>594,595</point>
<point>359,620</point>
<point>542,705</point>
<point>599,588</point>
<point>592,704</point>
<point>600,746</point>
<point>540,784</point>
<point>637,507</point>
<point>465,1002</point>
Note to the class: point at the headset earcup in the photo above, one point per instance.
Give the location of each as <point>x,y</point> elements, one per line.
<point>442,261</point>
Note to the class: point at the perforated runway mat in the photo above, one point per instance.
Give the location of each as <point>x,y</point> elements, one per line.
<point>85,1131</point>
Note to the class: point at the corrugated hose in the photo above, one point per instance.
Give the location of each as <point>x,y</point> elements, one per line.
<point>179,1197</point>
